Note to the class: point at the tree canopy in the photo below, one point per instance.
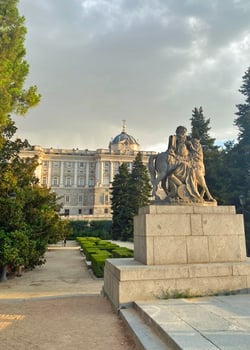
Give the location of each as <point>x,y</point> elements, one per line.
<point>120,204</point>
<point>29,213</point>
<point>242,121</point>
<point>200,127</point>
<point>13,66</point>
<point>130,191</point>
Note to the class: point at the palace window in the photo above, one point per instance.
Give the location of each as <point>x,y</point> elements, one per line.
<point>82,165</point>
<point>81,181</point>
<point>91,182</point>
<point>106,173</point>
<point>55,181</point>
<point>68,182</point>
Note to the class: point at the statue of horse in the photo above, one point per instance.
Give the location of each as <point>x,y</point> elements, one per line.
<point>162,165</point>
<point>159,169</point>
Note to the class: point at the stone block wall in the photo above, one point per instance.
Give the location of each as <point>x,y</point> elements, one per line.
<point>188,235</point>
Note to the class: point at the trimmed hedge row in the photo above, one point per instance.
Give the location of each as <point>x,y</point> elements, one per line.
<point>97,251</point>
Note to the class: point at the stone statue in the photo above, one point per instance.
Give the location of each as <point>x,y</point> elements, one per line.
<point>180,170</point>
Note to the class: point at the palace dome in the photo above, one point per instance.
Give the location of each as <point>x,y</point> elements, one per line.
<point>124,142</point>
<point>122,137</point>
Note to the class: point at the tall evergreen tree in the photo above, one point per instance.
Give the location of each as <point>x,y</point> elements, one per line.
<point>13,66</point>
<point>237,160</point>
<point>242,121</point>
<point>129,193</point>
<point>120,204</point>
<point>240,155</point>
<point>139,186</point>
<point>200,127</point>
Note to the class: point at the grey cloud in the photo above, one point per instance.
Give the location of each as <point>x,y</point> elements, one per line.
<point>150,62</point>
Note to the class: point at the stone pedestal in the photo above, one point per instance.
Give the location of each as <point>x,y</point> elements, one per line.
<point>192,250</point>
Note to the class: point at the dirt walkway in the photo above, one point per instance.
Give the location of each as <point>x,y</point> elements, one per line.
<point>59,306</point>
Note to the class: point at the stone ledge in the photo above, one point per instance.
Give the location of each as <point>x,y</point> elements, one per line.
<point>129,269</point>
<point>126,280</point>
<point>187,209</point>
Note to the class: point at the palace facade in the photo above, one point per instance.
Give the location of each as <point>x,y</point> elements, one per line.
<point>82,179</point>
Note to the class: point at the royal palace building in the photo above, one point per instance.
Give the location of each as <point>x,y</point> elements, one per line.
<point>82,179</point>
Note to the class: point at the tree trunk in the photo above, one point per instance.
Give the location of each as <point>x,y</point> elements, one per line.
<point>3,273</point>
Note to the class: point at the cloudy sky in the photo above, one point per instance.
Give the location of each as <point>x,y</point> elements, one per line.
<point>150,62</point>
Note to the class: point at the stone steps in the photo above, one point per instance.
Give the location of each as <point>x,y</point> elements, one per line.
<point>147,333</point>
<point>207,323</point>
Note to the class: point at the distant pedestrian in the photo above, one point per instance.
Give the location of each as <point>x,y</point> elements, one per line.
<point>64,242</point>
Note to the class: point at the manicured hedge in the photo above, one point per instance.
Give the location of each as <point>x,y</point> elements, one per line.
<point>122,253</point>
<point>98,263</point>
<point>97,251</point>
<point>89,251</point>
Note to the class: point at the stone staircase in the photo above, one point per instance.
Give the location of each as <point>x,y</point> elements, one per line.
<point>207,323</point>
<point>147,332</point>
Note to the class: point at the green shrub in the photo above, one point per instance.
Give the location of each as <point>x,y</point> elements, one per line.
<point>98,263</point>
<point>87,246</point>
<point>122,253</point>
<point>89,251</point>
<point>97,251</point>
<point>109,246</point>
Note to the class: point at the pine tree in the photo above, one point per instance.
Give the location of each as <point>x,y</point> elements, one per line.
<point>139,186</point>
<point>242,149</point>
<point>200,129</point>
<point>13,66</point>
<point>243,119</point>
<point>240,155</point>
<point>129,193</point>
<point>120,204</point>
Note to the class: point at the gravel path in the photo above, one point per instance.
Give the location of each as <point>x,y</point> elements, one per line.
<point>59,306</point>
